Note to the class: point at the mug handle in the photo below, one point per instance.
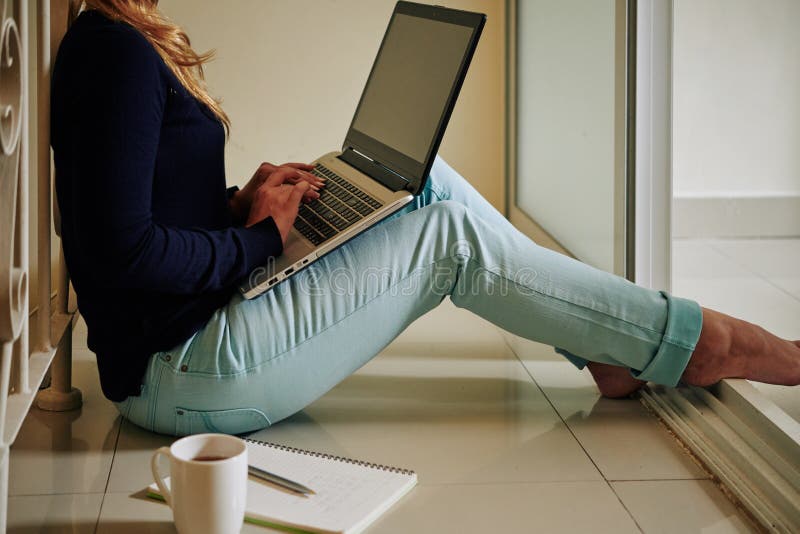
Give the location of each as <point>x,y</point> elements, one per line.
<point>157,475</point>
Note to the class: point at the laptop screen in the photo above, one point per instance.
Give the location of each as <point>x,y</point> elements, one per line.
<point>412,87</point>
<point>410,83</point>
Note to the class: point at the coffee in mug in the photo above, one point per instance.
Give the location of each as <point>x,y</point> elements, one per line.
<point>207,487</point>
<point>209,458</point>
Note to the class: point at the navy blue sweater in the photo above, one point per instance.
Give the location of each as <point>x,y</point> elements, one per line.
<point>147,232</point>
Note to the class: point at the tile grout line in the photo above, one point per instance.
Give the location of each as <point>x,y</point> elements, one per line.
<point>108,478</point>
<point>111,465</point>
<point>624,506</point>
<point>752,272</point>
<point>542,482</point>
<point>528,372</point>
<point>626,480</point>
<point>54,494</point>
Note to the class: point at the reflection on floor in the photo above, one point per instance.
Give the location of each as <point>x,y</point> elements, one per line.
<point>755,279</point>
<point>504,434</point>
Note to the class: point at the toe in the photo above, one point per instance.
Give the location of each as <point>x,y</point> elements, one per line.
<point>614,382</point>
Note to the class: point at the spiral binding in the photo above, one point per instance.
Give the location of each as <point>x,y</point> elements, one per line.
<point>361,463</point>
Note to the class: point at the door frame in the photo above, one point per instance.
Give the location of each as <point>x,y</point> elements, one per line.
<point>652,148</point>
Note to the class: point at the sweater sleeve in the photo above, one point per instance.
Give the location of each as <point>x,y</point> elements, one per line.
<point>122,96</point>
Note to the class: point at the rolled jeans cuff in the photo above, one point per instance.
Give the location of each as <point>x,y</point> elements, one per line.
<point>684,323</point>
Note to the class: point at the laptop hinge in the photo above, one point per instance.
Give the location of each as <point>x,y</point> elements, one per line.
<point>374,169</point>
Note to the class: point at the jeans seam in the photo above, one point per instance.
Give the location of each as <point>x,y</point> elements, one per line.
<point>547,295</point>
<point>678,343</point>
<point>151,416</point>
<point>571,303</point>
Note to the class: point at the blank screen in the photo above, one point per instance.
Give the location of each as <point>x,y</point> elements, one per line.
<point>413,75</point>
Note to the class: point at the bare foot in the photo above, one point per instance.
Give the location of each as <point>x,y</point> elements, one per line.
<point>732,348</point>
<point>613,381</point>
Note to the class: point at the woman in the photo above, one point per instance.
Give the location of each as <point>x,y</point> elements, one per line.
<point>156,244</point>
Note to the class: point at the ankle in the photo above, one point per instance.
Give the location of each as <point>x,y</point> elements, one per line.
<point>716,336</point>
<point>722,350</point>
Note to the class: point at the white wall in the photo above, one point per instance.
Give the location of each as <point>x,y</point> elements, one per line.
<point>290,73</point>
<point>736,98</point>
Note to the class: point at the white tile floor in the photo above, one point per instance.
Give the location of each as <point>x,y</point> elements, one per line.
<point>504,434</point>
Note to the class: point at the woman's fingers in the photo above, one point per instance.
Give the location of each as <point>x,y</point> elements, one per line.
<point>314,180</point>
<point>293,176</point>
<point>289,196</point>
<point>292,173</point>
<point>310,195</point>
<point>283,174</point>
<point>306,172</point>
<point>287,193</point>
<point>301,166</point>
<point>316,186</point>
<point>265,168</point>
<point>280,201</point>
<point>283,193</point>
<point>286,202</point>
<point>297,193</point>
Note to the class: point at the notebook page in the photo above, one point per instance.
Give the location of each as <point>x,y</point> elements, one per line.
<point>348,496</point>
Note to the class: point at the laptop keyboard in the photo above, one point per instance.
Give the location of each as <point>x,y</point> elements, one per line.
<point>340,205</point>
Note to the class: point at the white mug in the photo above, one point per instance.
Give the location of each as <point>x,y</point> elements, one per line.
<point>208,483</point>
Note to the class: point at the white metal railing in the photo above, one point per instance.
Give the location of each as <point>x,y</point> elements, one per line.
<point>24,366</point>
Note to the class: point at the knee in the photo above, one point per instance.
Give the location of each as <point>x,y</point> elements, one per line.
<point>448,212</point>
<point>453,221</point>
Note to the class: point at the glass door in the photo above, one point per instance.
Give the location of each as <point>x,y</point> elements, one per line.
<point>569,136</point>
<point>736,167</point>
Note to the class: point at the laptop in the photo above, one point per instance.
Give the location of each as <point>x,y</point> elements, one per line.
<point>393,138</point>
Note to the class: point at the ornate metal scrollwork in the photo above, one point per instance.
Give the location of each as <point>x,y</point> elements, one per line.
<point>10,86</point>
<point>13,276</point>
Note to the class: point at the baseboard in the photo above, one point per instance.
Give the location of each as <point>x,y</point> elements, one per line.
<point>748,444</point>
<point>769,215</point>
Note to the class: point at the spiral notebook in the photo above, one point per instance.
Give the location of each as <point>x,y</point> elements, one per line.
<point>350,494</point>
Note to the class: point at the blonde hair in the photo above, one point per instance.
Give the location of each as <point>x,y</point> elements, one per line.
<point>168,39</point>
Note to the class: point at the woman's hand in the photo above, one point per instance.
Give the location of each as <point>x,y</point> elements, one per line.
<point>242,200</point>
<point>279,197</point>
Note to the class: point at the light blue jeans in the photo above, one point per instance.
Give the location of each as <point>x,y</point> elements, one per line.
<point>259,361</point>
